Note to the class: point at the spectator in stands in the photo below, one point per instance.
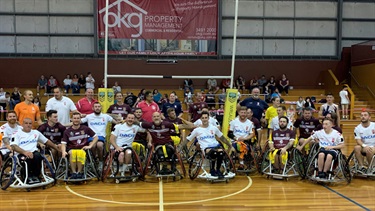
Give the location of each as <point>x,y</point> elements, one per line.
<point>300,105</point>
<point>284,84</point>
<point>309,104</point>
<point>90,81</point>
<point>271,85</point>
<point>148,106</point>
<point>262,82</point>
<point>15,98</point>
<point>52,83</point>
<point>344,102</point>
<point>163,100</point>
<point>4,102</point>
<point>222,96</point>
<point>254,83</point>
<point>276,93</point>
<point>84,105</point>
<point>116,88</point>
<point>177,100</point>
<point>188,97</point>
<point>172,103</point>
<point>212,84</point>
<point>82,82</point>
<point>188,83</point>
<point>225,83</point>
<point>67,83</point>
<point>220,114</point>
<point>130,99</point>
<point>211,99</point>
<point>75,84</point>
<point>157,96</point>
<point>36,101</point>
<point>42,84</point>
<point>141,96</point>
<point>240,83</point>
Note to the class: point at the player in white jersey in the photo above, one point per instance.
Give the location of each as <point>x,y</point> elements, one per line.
<point>206,135</point>
<point>24,143</point>
<point>63,106</point>
<point>123,136</point>
<point>365,136</point>
<point>98,122</point>
<point>241,131</point>
<point>7,131</point>
<point>330,141</point>
<point>211,121</point>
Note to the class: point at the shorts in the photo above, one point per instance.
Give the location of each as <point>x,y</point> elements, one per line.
<point>332,152</point>
<point>78,155</point>
<point>100,138</point>
<point>176,140</point>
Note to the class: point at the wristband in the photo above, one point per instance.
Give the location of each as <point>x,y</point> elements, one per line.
<point>364,145</point>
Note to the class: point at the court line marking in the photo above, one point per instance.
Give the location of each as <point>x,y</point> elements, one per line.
<point>161,199</point>
<point>347,198</point>
<point>250,182</point>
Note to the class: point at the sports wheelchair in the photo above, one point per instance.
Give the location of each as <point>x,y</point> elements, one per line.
<point>251,159</point>
<point>339,170</point>
<point>111,167</point>
<point>200,161</point>
<point>15,173</point>
<point>164,154</point>
<point>293,166</point>
<point>355,168</point>
<point>89,169</point>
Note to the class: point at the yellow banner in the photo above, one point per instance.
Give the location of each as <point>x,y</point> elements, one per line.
<point>229,109</point>
<point>105,98</point>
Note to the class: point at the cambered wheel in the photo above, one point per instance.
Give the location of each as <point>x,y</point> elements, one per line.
<point>7,173</point>
<point>195,165</point>
<point>107,165</point>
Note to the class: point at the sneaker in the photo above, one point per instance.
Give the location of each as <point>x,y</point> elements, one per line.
<point>122,174</point>
<point>362,170</point>
<point>241,168</point>
<point>30,180</point>
<point>321,175</point>
<point>35,179</point>
<point>219,174</point>
<point>164,171</point>
<point>213,173</point>
<point>74,176</point>
<point>80,175</point>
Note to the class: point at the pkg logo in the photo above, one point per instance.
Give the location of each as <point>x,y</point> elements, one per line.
<point>129,20</point>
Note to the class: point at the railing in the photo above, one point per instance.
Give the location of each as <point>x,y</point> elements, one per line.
<point>369,94</point>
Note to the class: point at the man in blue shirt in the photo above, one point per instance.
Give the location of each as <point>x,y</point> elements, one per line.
<point>257,105</point>
<point>172,103</point>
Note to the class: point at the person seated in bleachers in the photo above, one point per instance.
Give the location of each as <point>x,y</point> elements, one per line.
<point>212,84</point>
<point>75,85</point>
<point>300,104</point>
<point>253,83</point>
<point>42,84</point>
<point>188,83</point>
<point>67,83</point>
<point>82,82</point>
<point>330,141</point>
<point>241,84</point>
<point>284,84</point>
<point>15,98</point>
<point>271,85</point>
<point>52,83</point>
<point>262,84</point>
<point>309,104</point>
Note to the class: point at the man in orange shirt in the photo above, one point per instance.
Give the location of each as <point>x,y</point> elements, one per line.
<point>27,109</point>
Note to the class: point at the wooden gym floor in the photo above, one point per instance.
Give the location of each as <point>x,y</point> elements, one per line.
<point>255,192</point>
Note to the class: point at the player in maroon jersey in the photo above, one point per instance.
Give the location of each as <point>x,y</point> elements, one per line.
<point>75,142</point>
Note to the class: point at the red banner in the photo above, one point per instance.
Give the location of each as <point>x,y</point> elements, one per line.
<point>189,22</point>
